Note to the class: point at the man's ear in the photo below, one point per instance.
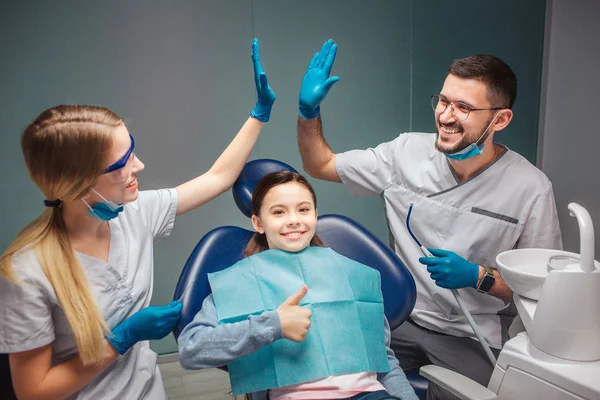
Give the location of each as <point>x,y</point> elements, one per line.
<point>502,120</point>
<point>257,224</point>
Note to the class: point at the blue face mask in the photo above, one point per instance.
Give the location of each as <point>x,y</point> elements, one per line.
<point>105,210</point>
<point>473,149</point>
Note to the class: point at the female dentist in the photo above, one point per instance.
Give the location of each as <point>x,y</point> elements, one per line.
<point>77,281</point>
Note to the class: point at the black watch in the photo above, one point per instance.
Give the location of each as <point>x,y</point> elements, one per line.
<point>488,280</point>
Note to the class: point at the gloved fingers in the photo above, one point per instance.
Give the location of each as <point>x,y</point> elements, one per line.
<point>439,252</point>
<point>172,304</point>
<point>438,276</point>
<point>168,320</point>
<point>323,53</point>
<point>167,325</point>
<point>255,50</point>
<point>329,83</point>
<point>313,61</point>
<point>429,260</point>
<point>330,59</point>
<point>436,269</point>
<point>256,62</point>
<point>264,84</point>
<point>445,284</point>
<point>175,309</point>
<point>173,319</point>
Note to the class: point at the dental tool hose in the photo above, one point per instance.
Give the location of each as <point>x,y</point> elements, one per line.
<point>467,314</point>
<point>458,298</point>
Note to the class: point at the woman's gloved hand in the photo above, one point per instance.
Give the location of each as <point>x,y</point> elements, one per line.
<point>150,323</point>
<point>449,270</point>
<point>316,82</point>
<point>266,96</point>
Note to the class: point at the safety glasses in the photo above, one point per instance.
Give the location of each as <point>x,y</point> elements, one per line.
<point>120,171</point>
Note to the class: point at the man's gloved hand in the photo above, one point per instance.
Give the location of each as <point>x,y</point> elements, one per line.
<point>316,82</point>
<point>266,96</point>
<point>150,323</point>
<point>449,270</point>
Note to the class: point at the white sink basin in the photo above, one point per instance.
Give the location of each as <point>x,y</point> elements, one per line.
<point>524,270</point>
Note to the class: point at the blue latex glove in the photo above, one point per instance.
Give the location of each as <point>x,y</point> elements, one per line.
<point>150,323</point>
<point>266,96</point>
<point>316,82</point>
<point>449,270</point>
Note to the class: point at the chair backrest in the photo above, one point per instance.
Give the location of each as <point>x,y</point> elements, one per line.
<point>224,246</point>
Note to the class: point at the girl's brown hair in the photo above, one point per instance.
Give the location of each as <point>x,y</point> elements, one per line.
<point>258,242</point>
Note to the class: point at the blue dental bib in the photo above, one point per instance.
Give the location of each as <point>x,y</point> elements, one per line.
<point>346,333</point>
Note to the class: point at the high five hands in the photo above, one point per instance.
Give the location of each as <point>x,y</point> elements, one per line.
<point>316,82</point>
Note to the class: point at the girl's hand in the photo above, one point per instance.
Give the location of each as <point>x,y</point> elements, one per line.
<point>294,319</point>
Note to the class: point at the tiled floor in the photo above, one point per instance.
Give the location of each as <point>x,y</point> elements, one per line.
<point>206,384</point>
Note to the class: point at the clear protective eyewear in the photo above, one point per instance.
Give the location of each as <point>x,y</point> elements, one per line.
<point>460,110</point>
<point>120,171</point>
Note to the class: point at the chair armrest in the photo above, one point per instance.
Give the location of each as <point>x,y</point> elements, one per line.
<point>457,384</point>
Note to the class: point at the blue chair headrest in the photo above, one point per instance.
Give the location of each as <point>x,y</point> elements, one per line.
<point>253,172</point>
<point>224,246</point>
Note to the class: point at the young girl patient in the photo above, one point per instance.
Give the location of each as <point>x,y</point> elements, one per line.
<point>327,340</point>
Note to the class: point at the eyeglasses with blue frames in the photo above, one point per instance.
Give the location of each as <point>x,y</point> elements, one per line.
<point>460,110</point>
<point>120,171</point>
<point>123,160</point>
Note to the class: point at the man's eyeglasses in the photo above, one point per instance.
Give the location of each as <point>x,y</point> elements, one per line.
<point>460,110</point>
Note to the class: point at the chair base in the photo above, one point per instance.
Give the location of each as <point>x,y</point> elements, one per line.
<point>418,383</point>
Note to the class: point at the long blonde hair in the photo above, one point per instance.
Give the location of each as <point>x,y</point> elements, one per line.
<point>65,149</point>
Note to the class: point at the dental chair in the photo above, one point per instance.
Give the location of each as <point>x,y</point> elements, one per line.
<point>223,247</point>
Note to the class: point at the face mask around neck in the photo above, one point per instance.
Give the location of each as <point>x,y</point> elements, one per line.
<point>473,149</point>
<point>105,210</point>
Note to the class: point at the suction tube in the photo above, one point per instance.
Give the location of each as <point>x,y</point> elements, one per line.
<point>459,300</point>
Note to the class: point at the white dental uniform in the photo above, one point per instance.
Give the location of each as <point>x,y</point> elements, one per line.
<point>509,204</point>
<point>31,315</point>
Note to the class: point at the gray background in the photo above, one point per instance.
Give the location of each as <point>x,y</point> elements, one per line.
<point>571,103</point>
<point>180,74</point>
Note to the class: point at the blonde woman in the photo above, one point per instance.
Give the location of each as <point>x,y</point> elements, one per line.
<point>77,281</point>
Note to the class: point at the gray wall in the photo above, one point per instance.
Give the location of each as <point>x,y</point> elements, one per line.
<point>180,74</point>
<point>569,123</point>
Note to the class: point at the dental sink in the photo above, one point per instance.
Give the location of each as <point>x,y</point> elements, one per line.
<point>557,295</point>
<point>562,291</point>
<point>525,270</point>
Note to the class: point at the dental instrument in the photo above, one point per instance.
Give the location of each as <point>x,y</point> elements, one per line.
<point>459,300</point>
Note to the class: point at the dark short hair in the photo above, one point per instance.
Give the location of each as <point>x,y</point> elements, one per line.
<point>499,78</point>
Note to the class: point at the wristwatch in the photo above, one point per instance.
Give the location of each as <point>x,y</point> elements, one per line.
<point>487,281</point>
